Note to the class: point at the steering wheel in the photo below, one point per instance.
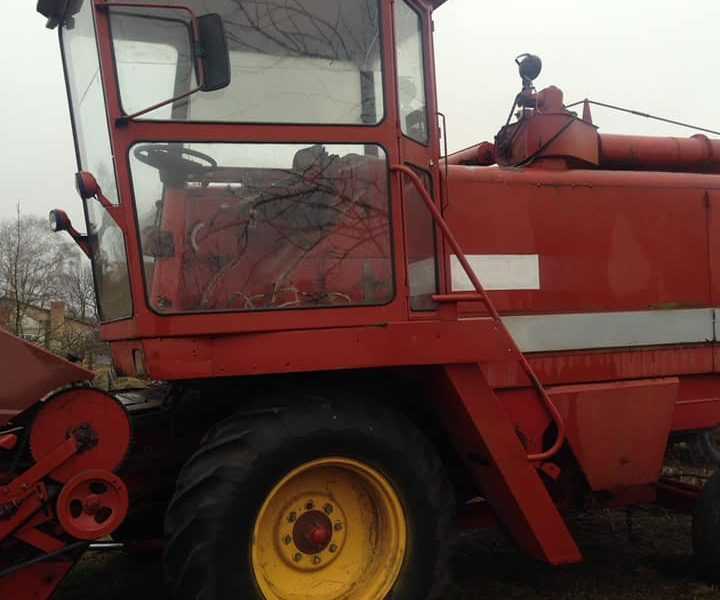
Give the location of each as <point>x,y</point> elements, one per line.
<point>171,159</point>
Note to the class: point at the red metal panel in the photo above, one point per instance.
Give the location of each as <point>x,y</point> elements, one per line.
<point>606,241</point>
<point>618,431</point>
<point>559,368</point>
<point>392,344</point>
<point>700,413</point>
<point>29,373</point>
<point>697,407</point>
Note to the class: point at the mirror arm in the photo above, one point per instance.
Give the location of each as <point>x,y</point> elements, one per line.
<point>123,121</point>
<point>81,240</point>
<point>59,221</point>
<point>114,210</point>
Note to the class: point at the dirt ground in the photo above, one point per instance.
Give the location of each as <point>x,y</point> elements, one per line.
<point>652,560</point>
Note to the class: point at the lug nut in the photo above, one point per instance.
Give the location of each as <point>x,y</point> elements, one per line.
<point>287,540</point>
<point>298,557</point>
<point>316,560</point>
<point>328,509</point>
<point>338,526</point>
<point>310,505</point>
<point>292,517</point>
<point>333,548</point>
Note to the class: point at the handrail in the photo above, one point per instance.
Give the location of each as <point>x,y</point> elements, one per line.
<point>481,295</point>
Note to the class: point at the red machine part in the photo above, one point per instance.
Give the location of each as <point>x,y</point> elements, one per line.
<point>42,372</point>
<point>105,419</point>
<point>627,152</point>
<point>550,131</point>
<point>75,437</point>
<point>92,504</point>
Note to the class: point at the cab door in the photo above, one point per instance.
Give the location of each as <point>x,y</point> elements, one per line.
<point>419,149</point>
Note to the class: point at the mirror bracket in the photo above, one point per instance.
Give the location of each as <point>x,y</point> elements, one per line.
<point>88,187</point>
<point>59,221</point>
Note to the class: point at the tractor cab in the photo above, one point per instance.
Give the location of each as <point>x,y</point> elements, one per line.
<point>237,160</point>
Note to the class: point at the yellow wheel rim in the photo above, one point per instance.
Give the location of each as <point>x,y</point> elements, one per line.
<point>332,529</point>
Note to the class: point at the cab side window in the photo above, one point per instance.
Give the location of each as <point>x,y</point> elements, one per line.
<point>411,76</point>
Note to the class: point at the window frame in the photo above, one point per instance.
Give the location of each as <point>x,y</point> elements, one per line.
<point>248,313</point>
<point>384,76</point>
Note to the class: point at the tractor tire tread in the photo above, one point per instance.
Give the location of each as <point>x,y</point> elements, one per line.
<point>231,449</point>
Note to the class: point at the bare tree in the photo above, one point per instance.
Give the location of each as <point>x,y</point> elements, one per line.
<point>77,289</point>
<point>31,265</point>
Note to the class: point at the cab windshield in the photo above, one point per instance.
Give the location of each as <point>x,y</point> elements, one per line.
<point>94,154</point>
<point>292,61</point>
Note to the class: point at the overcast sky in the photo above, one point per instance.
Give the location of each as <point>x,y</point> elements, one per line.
<point>659,56</point>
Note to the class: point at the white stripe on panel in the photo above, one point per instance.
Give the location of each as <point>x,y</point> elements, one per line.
<point>498,272</point>
<point>546,333</point>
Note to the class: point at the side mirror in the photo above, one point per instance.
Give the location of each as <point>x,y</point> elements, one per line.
<point>206,44</point>
<point>86,185</point>
<point>212,51</point>
<point>59,221</point>
<point>58,11</point>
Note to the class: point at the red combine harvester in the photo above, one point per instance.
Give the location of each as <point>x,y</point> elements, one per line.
<point>355,343</point>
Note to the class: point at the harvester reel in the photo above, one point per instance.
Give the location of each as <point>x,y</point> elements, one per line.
<point>104,424</point>
<point>92,504</point>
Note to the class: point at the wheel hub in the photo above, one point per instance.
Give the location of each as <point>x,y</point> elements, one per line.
<point>312,532</point>
<point>309,539</point>
<point>332,528</point>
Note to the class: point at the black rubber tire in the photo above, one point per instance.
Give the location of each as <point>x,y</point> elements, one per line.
<point>706,530</point>
<point>221,488</point>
